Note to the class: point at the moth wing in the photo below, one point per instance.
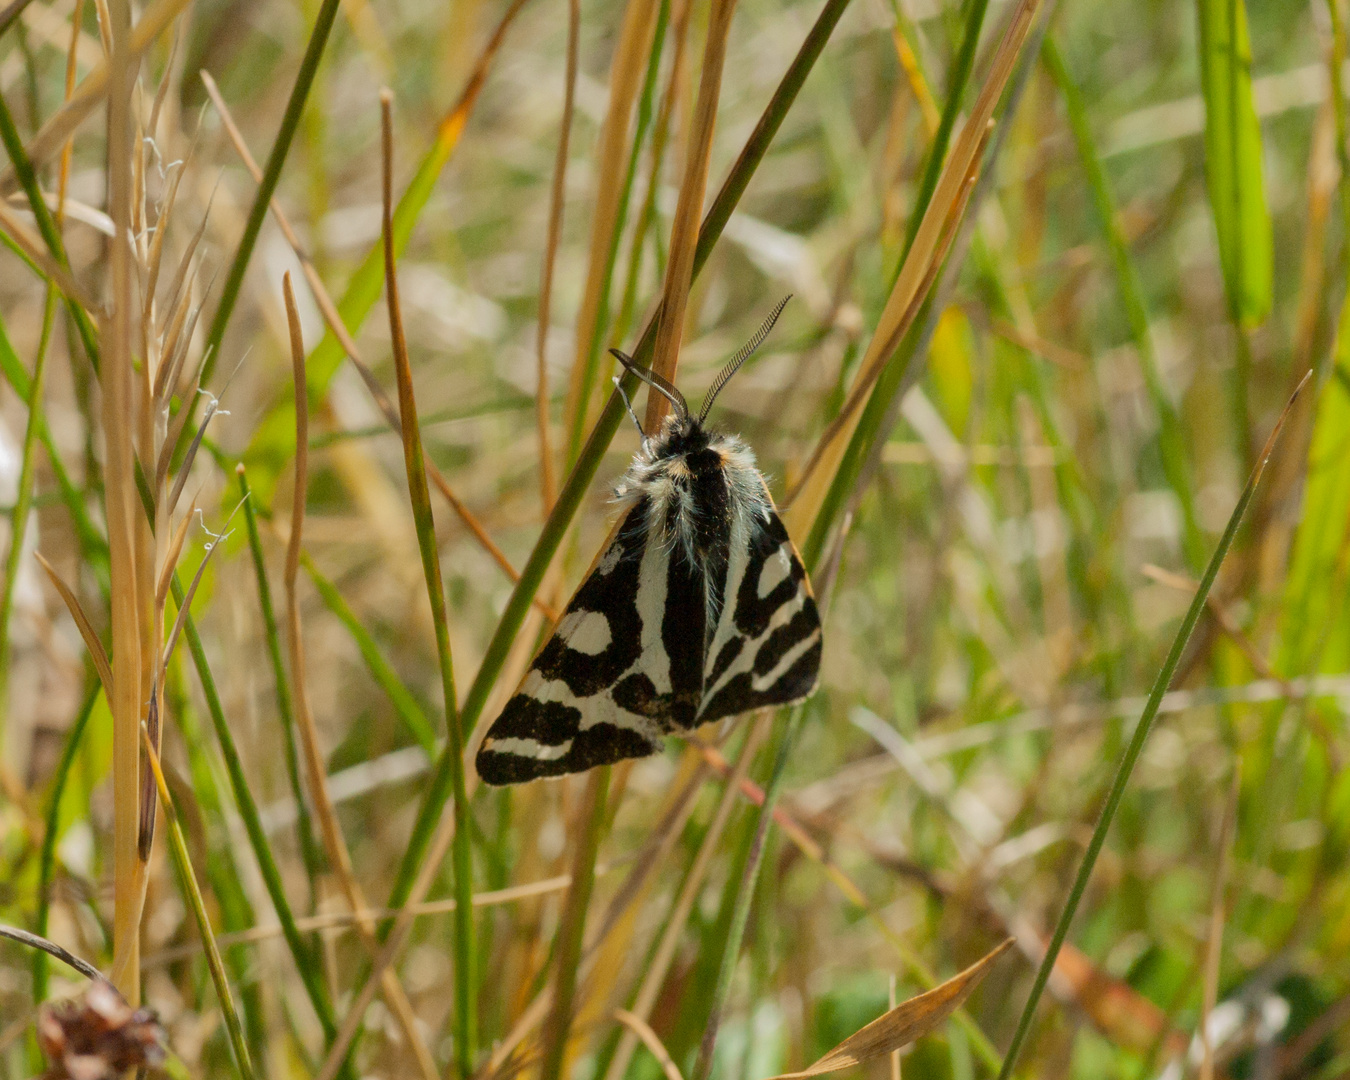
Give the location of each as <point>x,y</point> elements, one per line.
<point>623,667</point>
<point>767,644</point>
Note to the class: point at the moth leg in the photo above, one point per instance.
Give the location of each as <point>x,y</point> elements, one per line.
<point>629,406</point>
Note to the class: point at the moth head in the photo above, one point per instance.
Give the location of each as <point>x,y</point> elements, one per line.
<point>682,416</point>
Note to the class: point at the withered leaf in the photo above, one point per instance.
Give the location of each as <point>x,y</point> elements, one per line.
<point>908,1021</point>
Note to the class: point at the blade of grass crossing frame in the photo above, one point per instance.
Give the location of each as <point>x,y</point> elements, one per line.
<point>574,489</point>
<point>1136,745</point>
<point>1172,445</point>
<point>839,456</point>
<point>1233,167</point>
<point>309,845</point>
<point>466,987</point>
<point>745,887</point>
<point>187,880</point>
<point>548,481</point>
<point>223,873</point>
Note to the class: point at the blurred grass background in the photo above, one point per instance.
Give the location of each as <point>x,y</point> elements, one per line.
<point>1157,253</point>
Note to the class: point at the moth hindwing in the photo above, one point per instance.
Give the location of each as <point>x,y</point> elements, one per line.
<point>697,608</point>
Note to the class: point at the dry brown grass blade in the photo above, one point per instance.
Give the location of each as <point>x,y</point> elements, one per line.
<point>936,229</point>
<point>212,406</point>
<point>131,584</point>
<point>649,1039</point>
<point>174,344</point>
<point>548,482</point>
<point>181,323</point>
<point>335,846</point>
<point>625,82</point>
<point>91,642</point>
<point>906,1022</point>
<point>334,321</point>
<point>49,140</point>
<point>162,91</point>
<point>175,549</point>
<point>156,251</point>
<point>173,436</point>
<point>689,210</point>
<point>805,499</point>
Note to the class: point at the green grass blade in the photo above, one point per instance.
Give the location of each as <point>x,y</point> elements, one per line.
<point>574,490</point>
<point>745,892</point>
<point>47,859</point>
<point>281,147</point>
<point>92,545</point>
<point>1314,635</point>
<point>24,501</point>
<point>1233,166</point>
<point>1134,749</point>
<point>309,846</point>
<point>1172,442</point>
<point>222,871</point>
<point>405,704</point>
<point>187,881</point>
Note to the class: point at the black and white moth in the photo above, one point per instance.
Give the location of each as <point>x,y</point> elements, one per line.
<point>697,608</point>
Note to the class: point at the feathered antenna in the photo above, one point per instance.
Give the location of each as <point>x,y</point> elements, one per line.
<point>741,357</point>
<point>657,383</point>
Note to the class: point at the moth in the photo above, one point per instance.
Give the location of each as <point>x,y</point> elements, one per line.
<point>697,607</point>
